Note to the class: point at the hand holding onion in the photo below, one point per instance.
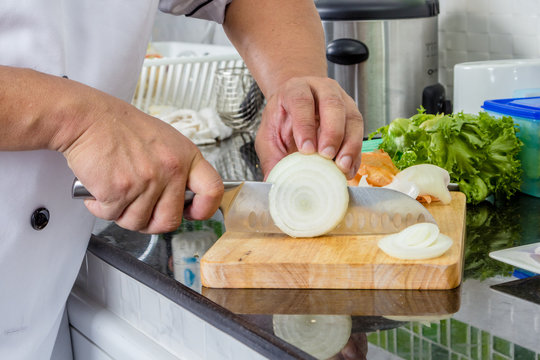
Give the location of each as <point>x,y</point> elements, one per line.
<point>310,114</point>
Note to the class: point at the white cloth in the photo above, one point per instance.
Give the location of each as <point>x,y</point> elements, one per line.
<point>101,43</point>
<point>202,127</point>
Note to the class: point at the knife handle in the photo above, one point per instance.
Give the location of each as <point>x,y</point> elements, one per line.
<point>78,191</point>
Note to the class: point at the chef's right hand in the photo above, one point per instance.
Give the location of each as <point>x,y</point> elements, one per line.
<point>137,168</point>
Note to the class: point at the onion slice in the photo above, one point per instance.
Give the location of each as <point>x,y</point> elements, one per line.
<point>321,336</point>
<point>416,242</point>
<point>404,186</point>
<point>309,195</point>
<point>430,179</point>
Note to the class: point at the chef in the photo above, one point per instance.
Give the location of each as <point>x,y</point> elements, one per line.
<point>68,70</point>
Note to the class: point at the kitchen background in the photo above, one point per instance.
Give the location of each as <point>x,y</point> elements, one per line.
<point>469,30</point>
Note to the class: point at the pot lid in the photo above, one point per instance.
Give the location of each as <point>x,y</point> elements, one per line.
<point>376,9</point>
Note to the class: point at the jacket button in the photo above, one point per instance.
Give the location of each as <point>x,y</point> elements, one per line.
<point>40,218</point>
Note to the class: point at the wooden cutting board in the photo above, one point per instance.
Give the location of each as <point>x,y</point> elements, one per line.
<point>251,260</point>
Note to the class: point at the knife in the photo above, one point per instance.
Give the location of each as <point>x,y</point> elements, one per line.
<point>372,210</point>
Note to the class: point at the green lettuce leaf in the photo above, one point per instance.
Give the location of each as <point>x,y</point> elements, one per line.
<point>479,151</point>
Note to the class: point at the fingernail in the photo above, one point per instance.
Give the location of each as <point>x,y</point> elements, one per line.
<point>308,147</point>
<point>329,152</point>
<point>345,162</point>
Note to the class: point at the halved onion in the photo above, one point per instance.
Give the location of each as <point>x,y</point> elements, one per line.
<point>321,336</point>
<point>309,195</point>
<point>430,179</point>
<point>416,242</point>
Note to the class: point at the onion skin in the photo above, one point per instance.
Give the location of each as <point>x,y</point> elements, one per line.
<point>309,195</point>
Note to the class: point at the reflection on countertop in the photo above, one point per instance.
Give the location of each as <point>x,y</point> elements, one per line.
<point>409,324</point>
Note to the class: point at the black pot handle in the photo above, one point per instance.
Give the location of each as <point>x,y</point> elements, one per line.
<point>346,51</point>
<point>434,100</point>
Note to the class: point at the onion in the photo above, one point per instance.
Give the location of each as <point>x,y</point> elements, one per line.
<point>404,186</point>
<point>309,195</point>
<point>430,179</point>
<point>321,336</point>
<point>363,181</point>
<point>416,242</point>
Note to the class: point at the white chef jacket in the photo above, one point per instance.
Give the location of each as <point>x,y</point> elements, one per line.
<point>101,43</point>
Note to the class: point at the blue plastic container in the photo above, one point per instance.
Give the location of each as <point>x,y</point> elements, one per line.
<point>526,113</point>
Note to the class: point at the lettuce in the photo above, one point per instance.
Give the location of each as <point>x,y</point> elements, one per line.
<point>479,151</point>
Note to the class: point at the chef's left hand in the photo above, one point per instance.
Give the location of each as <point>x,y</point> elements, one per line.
<point>311,114</point>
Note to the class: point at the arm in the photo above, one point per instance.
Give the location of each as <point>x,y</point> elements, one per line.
<point>282,42</point>
<point>136,166</point>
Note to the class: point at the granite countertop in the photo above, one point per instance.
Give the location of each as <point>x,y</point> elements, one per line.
<point>434,324</point>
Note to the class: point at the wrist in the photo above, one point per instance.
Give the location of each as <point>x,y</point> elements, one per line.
<point>35,110</point>
<point>73,113</point>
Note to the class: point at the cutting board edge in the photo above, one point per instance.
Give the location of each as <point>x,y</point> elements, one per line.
<point>238,277</point>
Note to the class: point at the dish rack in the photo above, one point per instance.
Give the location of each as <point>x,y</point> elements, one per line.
<point>182,82</point>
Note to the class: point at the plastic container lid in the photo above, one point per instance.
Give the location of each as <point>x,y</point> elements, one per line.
<point>528,108</point>
<point>376,9</point>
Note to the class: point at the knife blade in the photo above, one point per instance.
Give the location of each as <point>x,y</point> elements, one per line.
<point>371,210</point>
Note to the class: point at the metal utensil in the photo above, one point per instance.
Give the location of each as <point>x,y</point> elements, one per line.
<point>238,97</point>
<point>371,210</point>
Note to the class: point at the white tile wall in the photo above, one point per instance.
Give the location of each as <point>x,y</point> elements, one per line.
<point>478,30</point>
<point>177,330</point>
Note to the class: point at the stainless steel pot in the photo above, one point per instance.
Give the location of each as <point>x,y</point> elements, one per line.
<point>384,53</point>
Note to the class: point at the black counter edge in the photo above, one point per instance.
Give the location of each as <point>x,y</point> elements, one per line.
<point>228,322</point>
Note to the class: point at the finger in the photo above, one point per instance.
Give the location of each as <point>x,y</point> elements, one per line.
<point>349,155</point>
<point>167,212</point>
<point>207,185</point>
<point>137,214</point>
<point>105,211</point>
<point>110,204</point>
<point>299,103</point>
<point>269,154</point>
<point>271,142</point>
<point>332,114</point>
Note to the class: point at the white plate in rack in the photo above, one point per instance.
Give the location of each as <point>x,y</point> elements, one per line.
<point>523,257</point>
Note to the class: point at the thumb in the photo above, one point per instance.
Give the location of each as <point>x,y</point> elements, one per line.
<point>269,152</point>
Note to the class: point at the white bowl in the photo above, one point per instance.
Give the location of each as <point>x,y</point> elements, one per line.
<point>477,81</point>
